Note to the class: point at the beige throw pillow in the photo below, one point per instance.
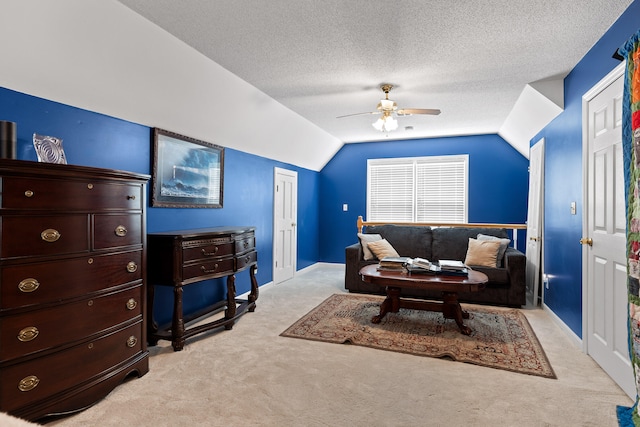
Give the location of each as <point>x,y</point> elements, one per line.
<point>482,253</point>
<point>504,244</point>
<point>366,238</point>
<point>382,248</point>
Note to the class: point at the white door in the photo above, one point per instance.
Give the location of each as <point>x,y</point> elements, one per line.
<point>604,239</point>
<point>285,219</point>
<point>534,222</point>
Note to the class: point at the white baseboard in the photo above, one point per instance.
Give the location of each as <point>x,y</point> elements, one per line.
<point>574,338</point>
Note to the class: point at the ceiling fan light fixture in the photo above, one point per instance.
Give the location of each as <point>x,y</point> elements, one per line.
<point>387,105</point>
<point>385,123</point>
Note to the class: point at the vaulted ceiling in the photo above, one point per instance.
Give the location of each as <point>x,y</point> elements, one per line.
<point>490,66</point>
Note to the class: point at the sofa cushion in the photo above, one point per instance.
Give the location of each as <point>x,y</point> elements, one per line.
<point>482,252</point>
<point>408,240</point>
<point>452,242</point>
<point>382,248</point>
<point>504,244</point>
<point>364,239</point>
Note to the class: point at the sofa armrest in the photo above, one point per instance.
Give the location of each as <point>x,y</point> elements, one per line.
<point>353,257</point>
<point>516,263</point>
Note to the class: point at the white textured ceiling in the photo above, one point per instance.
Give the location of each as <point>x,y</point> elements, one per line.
<point>322,59</point>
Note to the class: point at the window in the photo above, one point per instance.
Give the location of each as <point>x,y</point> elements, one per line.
<point>418,189</point>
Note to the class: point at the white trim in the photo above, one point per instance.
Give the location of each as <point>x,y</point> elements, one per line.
<point>592,93</point>
<point>566,329</point>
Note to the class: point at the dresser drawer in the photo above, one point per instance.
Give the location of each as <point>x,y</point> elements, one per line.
<point>117,230</point>
<point>37,283</point>
<point>247,259</point>
<point>218,267</point>
<point>44,235</point>
<point>33,331</point>
<point>210,249</point>
<point>36,193</point>
<point>245,243</point>
<point>42,377</point>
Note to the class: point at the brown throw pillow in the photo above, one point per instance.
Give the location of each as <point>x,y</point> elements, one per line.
<point>382,248</point>
<point>504,244</point>
<point>366,238</point>
<point>482,253</point>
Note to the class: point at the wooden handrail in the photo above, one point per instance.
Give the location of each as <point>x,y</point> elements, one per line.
<point>362,223</point>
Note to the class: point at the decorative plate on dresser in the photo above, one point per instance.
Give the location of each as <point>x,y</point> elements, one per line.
<point>72,285</point>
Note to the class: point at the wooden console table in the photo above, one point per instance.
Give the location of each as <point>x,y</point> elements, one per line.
<point>179,258</point>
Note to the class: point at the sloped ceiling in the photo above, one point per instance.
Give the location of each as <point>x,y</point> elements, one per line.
<point>486,65</point>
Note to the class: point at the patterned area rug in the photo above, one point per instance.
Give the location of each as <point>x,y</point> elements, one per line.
<point>502,338</point>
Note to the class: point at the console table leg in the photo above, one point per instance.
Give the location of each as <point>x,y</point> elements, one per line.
<point>177,325</point>
<point>253,295</point>
<point>152,326</point>
<point>230,312</point>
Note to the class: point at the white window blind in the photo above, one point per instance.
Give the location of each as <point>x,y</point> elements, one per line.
<point>420,189</point>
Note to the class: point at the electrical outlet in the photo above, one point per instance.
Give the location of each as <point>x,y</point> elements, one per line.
<point>345,207</point>
<point>573,208</point>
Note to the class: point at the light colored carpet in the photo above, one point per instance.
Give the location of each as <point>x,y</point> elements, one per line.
<point>500,337</point>
<point>251,376</point>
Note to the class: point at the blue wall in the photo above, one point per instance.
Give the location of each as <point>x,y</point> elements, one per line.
<point>498,184</point>
<point>563,174</point>
<point>91,139</point>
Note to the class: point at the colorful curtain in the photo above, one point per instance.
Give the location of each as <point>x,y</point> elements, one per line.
<point>631,153</point>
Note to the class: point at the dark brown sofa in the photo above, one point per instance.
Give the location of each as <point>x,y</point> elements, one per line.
<point>506,284</point>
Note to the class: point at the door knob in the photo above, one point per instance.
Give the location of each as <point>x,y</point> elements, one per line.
<point>586,241</point>
<point>535,239</point>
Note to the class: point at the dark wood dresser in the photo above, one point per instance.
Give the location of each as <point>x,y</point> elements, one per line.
<point>179,258</point>
<point>72,276</point>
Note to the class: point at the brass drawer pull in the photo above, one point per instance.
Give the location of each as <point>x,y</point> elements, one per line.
<point>28,285</point>
<point>205,253</point>
<point>28,334</point>
<point>28,383</point>
<point>132,341</point>
<point>247,259</point>
<point>245,244</point>
<point>90,186</point>
<point>28,193</point>
<point>50,235</point>
<point>204,269</point>
<point>131,197</point>
<point>131,304</point>
<point>121,231</point>
<point>132,267</point>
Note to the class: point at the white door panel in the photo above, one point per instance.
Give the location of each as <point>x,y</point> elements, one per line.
<point>605,263</point>
<point>534,222</point>
<point>285,214</point>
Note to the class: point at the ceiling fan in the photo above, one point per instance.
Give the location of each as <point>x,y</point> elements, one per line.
<point>388,109</point>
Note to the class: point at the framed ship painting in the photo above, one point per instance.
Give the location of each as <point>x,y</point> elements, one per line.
<point>187,172</point>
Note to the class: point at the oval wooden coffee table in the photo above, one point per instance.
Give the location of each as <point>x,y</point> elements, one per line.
<point>394,281</point>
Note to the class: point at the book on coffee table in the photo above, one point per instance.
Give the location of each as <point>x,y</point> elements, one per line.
<point>448,264</point>
<point>394,263</point>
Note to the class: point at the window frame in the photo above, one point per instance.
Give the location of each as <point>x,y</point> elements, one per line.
<point>375,166</point>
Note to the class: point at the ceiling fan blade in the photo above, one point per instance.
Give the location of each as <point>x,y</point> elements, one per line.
<point>409,111</point>
<point>358,114</point>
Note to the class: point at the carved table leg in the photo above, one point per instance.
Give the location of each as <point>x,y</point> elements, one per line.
<point>452,310</point>
<point>177,326</point>
<point>390,304</point>
<point>230,311</point>
<point>253,295</point>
